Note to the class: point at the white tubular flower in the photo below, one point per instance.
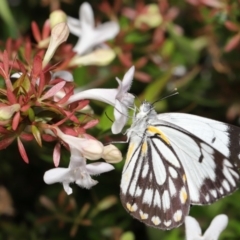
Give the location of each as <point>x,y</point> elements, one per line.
<point>119,98</point>
<point>89,35</point>
<point>194,232</point>
<point>78,171</point>
<point>88,148</point>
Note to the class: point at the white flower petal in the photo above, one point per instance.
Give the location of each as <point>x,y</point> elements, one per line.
<point>65,75</point>
<point>57,175</point>
<point>86,181</point>
<point>218,224</point>
<point>74,26</point>
<point>121,117</point>
<point>101,94</point>
<point>192,229</point>
<point>106,31</point>
<point>98,168</point>
<point>16,75</point>
<point>76,158</point>
<point>67,188</point>
<point>86,15</point>
<point>90,36</point>
<point>127,79</point>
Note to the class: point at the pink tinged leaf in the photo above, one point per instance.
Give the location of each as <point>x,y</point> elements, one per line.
<point>25,108</point>
<point>6,142</point>
<point>36,32</point>
<point>57,154</point>
<point>69,131</point>
<point>142,77</point>
<point>15,121</point>
<point>11,97</point>
<point>52,91</point>
<point>66,97</point>
<point>5,62</point>
<point>91,124</point>
<point>2,73</point>
<point>3,130</point>
<point>26,136</point>
<point>22,150</point>
<point>48,138</point>
<point>37,67</point>
<point>231,26</point>
<point>82,104</point>
<point>41,84</point>
<point>232,43</point>
<point>37,135</point>
<point>46,29</point>
<point>20,66</point>
<point>27,51</point>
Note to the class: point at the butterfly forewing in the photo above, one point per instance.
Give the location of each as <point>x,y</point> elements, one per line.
<point>175,160</point>
<point>223,137</point>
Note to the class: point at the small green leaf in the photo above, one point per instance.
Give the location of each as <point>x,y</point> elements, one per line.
<point>31,114</point>
<point>37,135</point>
<point>127,236</point>
<point>136,37</point>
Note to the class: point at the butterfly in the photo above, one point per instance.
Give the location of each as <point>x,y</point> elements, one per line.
<point>175,160</point>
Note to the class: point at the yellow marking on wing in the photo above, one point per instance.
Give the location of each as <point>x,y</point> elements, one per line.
<point>177,216</point>
<point>183,195</point>
<point>144,147</point>
<point>131,208</point>
<point>155,130</point>
<point>184,178</point>
<point>143,215</point>
<point>130,152</point>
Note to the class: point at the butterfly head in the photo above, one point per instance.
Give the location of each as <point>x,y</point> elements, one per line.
<point>146,110</point>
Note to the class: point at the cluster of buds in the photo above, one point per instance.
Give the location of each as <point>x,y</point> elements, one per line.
<point>39,100</point>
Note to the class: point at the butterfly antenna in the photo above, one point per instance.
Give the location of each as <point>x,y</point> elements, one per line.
<point>175,92</point>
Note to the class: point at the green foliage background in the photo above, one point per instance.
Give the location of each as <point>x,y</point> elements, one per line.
<point>210,87</point>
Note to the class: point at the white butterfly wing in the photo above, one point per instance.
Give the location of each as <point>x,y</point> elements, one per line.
<point>178,160</point>
<point>223,137</point>
<point>153,185</point>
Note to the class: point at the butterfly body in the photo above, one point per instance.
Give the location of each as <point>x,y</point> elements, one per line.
<point>175,160</point>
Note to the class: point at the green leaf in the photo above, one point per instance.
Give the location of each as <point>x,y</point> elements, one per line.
<point>127,236</point>
<point>184,45</point>
<point>136,37</point>
<point>105,120</point>
<point>153,91</point>
<point>37,135</point>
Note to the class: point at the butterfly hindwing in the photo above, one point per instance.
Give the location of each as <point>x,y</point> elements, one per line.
<point>210,175</point>
<point>157,192</point>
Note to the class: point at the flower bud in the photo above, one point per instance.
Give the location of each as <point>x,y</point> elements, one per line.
<point>59,34</point>
<point>6,112</point>
<point>56,17</point>
<point>150,17</point>
<point>111,154</point>
<point>92,149</point>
